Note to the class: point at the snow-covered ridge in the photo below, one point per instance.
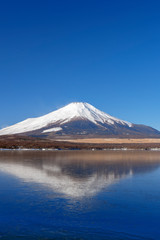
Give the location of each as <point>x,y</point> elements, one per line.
<point>63,115</point>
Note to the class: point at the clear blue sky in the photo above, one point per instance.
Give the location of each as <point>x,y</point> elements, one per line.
<point>103,52</point>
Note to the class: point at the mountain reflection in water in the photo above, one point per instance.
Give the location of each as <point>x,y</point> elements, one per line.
<point>76,174</point>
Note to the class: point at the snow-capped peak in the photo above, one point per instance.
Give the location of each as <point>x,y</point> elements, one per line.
<point>63,115</point>
<point>87,111</point>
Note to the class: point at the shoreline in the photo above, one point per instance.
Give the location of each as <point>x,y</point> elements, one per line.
<point>55,150</point>
<point>23,143</point>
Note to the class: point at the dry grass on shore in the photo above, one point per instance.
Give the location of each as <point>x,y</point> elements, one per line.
<point>20,142</point>
<point>114,140</point>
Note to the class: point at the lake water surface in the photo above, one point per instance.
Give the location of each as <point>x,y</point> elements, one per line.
<point>79,195</point>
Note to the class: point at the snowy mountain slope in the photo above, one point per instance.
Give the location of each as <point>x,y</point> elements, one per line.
<point>63,115</point>
<point>76,119</point>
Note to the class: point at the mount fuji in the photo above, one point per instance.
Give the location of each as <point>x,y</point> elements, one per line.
<point>78,119</point>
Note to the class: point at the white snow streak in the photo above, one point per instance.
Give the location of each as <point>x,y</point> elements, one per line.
<point>52,130</point>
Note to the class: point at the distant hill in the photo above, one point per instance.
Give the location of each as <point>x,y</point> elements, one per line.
<point>80,120</point>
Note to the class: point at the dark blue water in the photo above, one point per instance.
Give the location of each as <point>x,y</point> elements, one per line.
<point>79,195</point>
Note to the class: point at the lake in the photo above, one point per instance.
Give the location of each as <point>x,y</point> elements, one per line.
<point>79,195</point>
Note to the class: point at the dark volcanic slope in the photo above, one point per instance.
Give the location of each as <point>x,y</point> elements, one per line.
<point>82,128</point>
